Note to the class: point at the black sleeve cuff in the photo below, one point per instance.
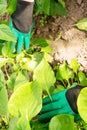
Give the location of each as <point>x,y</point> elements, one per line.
<point>72,95</point>
<point>22,17</point>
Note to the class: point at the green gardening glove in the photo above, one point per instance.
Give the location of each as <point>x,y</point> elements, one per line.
<point>21,25</point>
<point>22,38</point>
<point>63,102</point>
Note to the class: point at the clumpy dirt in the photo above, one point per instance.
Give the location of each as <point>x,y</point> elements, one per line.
<point>76,9</point>
<point>73,42</point>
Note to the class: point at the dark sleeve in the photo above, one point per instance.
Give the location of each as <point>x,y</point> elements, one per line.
<point>22,17</point>
<point>72,95</point>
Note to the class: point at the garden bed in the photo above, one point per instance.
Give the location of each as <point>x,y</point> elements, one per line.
<point>72,42</point>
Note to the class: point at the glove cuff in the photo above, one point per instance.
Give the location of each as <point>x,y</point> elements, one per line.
<point>72,95</point>
<point>22,17</point>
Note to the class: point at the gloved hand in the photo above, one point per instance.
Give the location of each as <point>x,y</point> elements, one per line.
<point>21,24</point>
<point>63,102</point>
<point>22,38</point>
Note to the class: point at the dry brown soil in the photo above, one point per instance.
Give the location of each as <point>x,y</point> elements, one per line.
<point>73,42</point>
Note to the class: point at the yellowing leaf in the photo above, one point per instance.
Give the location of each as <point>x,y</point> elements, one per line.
<point>44,75</point>
<point>82,104</point>
<point>26,100</point>
<point>62,122</point>
<point>82,24</point>
<point>6,33</point>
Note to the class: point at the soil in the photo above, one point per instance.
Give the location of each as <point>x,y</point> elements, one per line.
<point>66,40</point>
<point>72,42</point>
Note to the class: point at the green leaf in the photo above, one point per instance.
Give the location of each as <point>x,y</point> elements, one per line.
<point>57,8</point>
<point>81,76</point>
<point>46,49</point>
<point>6,33</point>
<point>21,79</point>
<point>12,123</point>
<point>3,61</point>
<point>65,72</point>
<point>3,100</point>
<point>40,42</point>
<point>11,6</point>
<point>3,5</point>
<point>58,75</point>
<point>26,100</point>
<point>83,82</point>
<point>42,6</point>
<point>82,104</point>
<point>74,65</point>
<point>11,81</point>
<point>58,89</point>
<point>7,49</point>
<point>17,80</point>
<point>2,79</point>
<point>62,2</point>
<point>82,24</point>
<point>36,125</point>
<point>48,57</point>
<point>50,7</point>
<point>19,57</point>
<point>44,75</point>
<point>32,62</point>
<point>22,124</point>
<point>62,122</point>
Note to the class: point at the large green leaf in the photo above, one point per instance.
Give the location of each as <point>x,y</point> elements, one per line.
<point>26,100</point>
<point>74,65</point>
<point>82,104</point>
<point>3,100</point>
<point>82,24</point>
<point>3,5</point>
<point>44,75</point>
<point>62,122</point>
<point>6,33</point>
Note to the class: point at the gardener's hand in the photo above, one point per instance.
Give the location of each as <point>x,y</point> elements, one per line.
<point>21,24</point>
<point>22,39</point>
<point>63,102</point>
